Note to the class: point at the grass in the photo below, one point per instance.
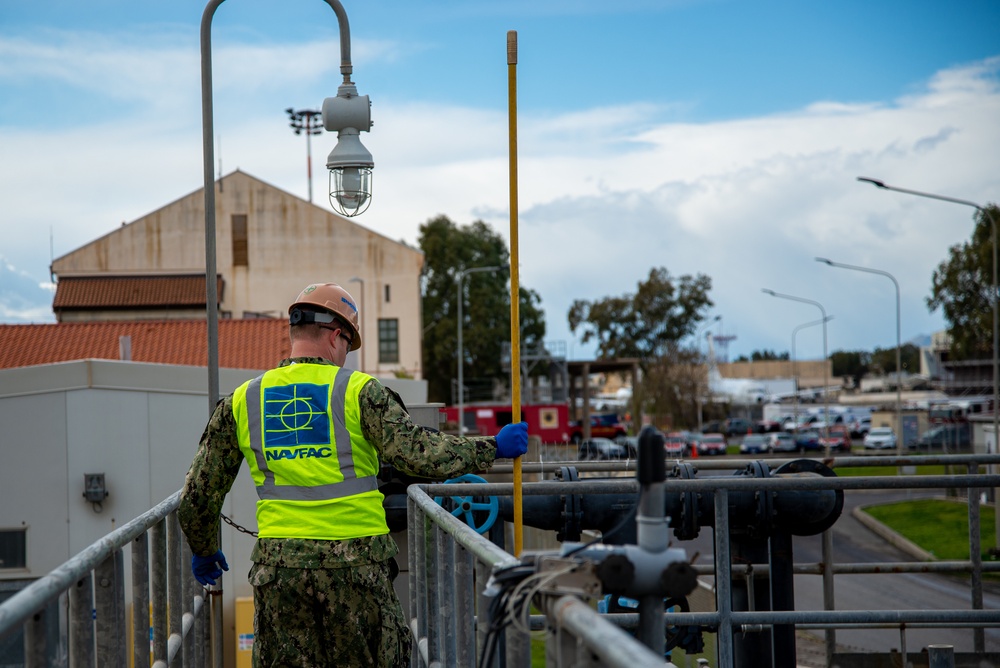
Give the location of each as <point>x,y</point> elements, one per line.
<point>938,526</point>
<point>856,471</point>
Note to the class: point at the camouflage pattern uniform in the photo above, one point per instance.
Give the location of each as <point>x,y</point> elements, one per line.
<point>316,602</point>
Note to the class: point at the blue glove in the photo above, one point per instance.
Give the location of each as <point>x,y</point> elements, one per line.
<point>512,441</point>
<point>206,569</point>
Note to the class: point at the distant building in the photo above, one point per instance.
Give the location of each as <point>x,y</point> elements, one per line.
<point>269,245</point>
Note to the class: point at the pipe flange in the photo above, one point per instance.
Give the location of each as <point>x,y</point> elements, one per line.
<point>688,527</point>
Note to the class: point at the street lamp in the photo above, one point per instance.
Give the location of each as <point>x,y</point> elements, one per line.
<point>826,381</point>
<point>459,277</point>
<point>795,330</point>
<point>306,121</point>
<point>899,356</point>
<point>697,338</point>
<point>361,317</point>
<point>993,294</point>
<point>350,163</point>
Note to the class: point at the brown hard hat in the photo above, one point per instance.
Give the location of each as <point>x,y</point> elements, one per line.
<point>333,299</point>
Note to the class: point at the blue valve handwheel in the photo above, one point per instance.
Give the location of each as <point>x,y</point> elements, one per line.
<point>463,507</point>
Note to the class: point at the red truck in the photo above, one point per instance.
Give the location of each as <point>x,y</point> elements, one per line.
<point>604,426</point>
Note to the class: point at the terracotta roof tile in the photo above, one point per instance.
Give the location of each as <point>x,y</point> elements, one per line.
<point>243,344</point>
<point>112,292</point>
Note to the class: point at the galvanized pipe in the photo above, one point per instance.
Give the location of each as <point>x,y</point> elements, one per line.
<point>976,557</point>
<point>36,648</point>
<point>16,610</point>
<point>723,578</point>
<point>940,656</point>
<point>106,605</point>
<point>411,568</point>
<point>158,586</point>
<point>444,568</point>
<point>188,584</point>
<point>175,591</point>
<point>140,601</point>
<point>465,597</point>
<point>81,622</point>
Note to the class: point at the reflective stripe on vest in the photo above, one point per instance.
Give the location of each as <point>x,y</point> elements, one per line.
<point>351,484</point>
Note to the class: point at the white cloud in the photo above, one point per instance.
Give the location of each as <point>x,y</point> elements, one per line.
<point>605,193</point>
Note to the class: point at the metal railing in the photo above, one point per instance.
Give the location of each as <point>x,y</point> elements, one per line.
<point>182,628</point>
<point>450,569</point>
<point>449,597</point>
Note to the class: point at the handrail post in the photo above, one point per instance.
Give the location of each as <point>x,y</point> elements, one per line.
<point>140,601</point>
<point>81,622</point>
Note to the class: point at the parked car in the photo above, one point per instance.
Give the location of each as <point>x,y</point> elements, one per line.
<point>713,427</point>
<point>676,445</point>
<point>601,448</point>
<point>839,439</point>
<point>631,444</point>
<point>737,427</point>
<point>880,438</point>
<point>807,439</point>
<point>781,441</point>
<point>860,427</point>
<point>601,426</point>
<point>802,421</point>
<point>753,444</point>
<point>712,444</point>
<point>767,426</point>
<point>946,436</point>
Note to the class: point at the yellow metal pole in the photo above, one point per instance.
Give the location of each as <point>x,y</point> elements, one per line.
<point>515,329</point>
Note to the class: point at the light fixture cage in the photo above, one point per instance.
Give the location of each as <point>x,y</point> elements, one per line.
<point>350,190</point>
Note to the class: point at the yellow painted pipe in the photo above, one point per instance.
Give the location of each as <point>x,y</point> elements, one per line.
<point>515,329</point>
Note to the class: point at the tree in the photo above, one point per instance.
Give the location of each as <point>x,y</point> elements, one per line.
<point>646,323</point>
<point>853,363</point>
<point>883,360</point>
<point>672,385</point>
<point>763,356</point>
<point>960,286</point>
<point>449,249</point>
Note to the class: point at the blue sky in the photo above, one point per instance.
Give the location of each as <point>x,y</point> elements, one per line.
<point>711,136</point>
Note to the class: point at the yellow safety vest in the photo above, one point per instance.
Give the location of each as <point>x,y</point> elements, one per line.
<point>299,428</point>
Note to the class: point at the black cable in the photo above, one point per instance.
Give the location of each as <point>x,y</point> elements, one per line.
<point>605,535</point>
<point>507,579</point>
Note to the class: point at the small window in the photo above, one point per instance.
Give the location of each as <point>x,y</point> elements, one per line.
<point>13,553</point>
<point>240,240</point>
<point>388,340</point>
<point>387,294</point>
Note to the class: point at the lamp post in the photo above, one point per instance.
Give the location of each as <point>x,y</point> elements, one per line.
<point>350,164</point>
<point>993,295</point>
<point>795,330</point>
<point>361,320</point>
<point>306,121</point>
<point>698,339</point>
<point>826,381</point>
<point>459,277</point>
<point>828,592</point>
<point>899,355</point>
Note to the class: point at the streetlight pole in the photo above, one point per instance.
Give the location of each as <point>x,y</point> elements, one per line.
<point>361,319</point>
<point>993,294</point>
<point>698,339</point>
<point>828,590</point>
<point>795,330</point>
<point>310,122</point>
<point>882,185</point>
<point>899,355</point>
<point>348,114</point>
<point>826,380</point>
<point>459,277</point>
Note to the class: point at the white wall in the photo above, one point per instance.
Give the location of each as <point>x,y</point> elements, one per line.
<point>139,424</point>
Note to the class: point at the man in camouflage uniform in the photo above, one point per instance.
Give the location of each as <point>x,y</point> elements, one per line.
<point>323,564</point>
